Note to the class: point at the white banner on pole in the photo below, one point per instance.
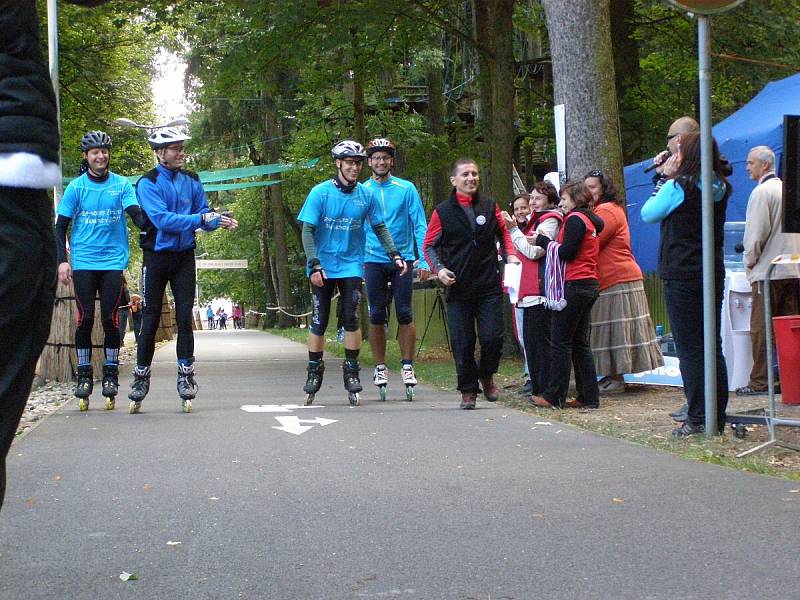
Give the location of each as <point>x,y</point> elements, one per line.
<point>560,115</point>
<point>221,264</point>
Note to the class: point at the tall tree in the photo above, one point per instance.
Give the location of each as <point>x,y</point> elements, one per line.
<point>583,78</point>
<point>503,75</point>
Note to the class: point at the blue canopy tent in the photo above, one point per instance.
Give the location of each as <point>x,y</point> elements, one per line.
<point>757,123</point>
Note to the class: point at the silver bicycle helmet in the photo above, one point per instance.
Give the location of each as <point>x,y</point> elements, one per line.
<point>348,149</point>
<point>166,136</point>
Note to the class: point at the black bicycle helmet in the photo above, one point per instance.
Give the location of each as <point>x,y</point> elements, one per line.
<point>95,139</point>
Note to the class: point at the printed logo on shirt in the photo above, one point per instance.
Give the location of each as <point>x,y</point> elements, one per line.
<point>100,217</point>
<point>341,224</point>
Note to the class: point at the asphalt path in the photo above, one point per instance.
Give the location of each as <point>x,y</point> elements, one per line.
<point>391,499</point>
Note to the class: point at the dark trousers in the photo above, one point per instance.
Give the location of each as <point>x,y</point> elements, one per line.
<point>462,317</point>
<point>89,285</point>
<point>158,269</point>
<point>785,300</point>
<point>684,298</point>
<point>27,291</point>
<point>570,344</point>
<point>536,336</point>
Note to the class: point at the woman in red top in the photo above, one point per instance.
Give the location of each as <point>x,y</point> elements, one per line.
<point>623,337</point>
<point>570,327</point>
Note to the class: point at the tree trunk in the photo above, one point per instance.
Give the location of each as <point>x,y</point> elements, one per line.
<point>273,131</point>
<point>269,289</point>
<point>484,109</point>
<point>583,80</point>
<point>626,68</point>
<point>504,112</point>
<point>440,181</point>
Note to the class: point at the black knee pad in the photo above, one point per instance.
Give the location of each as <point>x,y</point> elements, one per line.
<point>378,316</point>
<point>405,317</point>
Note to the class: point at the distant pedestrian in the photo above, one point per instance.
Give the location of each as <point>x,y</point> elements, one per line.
<point>210,317</point>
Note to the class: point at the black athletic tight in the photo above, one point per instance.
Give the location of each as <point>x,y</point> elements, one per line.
<point>158,269</point>
<point>109,286</point>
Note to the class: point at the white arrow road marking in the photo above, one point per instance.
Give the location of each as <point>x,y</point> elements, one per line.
<point>276,407</point>
<point>292,424</point>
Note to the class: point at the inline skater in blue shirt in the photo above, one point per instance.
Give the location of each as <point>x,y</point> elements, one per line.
<point>93,204</point>
<point>175,206</point>
<point>333,217</point>
<point>404,216</point>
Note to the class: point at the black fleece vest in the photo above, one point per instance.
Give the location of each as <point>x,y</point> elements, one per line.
<point>681,248</point>
<point>468,249</point>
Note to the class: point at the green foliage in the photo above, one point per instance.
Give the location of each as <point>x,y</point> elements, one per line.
<point>667,86</point>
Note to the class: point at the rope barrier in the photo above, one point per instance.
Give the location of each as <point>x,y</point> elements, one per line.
<point>284,311</point>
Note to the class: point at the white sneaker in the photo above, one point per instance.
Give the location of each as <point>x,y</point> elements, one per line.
<point>409,378</point>
<point>380,376</point>
<point>611,386</point>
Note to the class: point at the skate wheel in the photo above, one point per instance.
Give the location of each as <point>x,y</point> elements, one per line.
<point>410,393</point>
<point>186,405</point>
<point>110,403</point>
<point>83,404</point>
<point>382,390</point>
<point>135,407</point>
<point>354,399</point>
<point>309,399</point>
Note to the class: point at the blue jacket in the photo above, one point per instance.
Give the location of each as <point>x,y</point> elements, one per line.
<point>173,203</point>
<point>404,217</point>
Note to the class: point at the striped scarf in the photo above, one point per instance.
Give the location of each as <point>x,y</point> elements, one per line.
<point>554,278</point>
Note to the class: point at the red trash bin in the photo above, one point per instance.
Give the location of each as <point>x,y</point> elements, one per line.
<point>787,339</point>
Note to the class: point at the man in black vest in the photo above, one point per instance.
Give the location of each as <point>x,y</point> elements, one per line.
<point>461,248</point>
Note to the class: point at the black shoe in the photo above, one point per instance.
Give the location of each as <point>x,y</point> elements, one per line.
<point>688,429</point>
<point>527,389</point>
<point>681,414</point>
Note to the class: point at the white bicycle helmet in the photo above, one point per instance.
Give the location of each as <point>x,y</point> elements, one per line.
<point>348,149</point>
<point>382,144</point>
<point>166,136</point>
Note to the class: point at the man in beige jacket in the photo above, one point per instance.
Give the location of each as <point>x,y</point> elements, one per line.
<point>763,241</point>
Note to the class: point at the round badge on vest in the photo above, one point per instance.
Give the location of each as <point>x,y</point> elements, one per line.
<point>480,220</point>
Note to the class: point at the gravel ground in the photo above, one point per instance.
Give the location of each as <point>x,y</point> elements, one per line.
<point>48,398</point>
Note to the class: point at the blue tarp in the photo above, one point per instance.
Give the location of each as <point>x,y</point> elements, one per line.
<point>757,123</point>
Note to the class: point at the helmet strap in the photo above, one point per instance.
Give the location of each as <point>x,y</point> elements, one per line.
<point>339,182</point>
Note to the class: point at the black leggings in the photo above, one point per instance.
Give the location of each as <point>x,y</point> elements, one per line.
<point>349,299</point>
<point>158,269</point>
<point>88,284</point>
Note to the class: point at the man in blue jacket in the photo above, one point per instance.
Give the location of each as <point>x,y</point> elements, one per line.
<point>175,206</point>
<point>404,216</point>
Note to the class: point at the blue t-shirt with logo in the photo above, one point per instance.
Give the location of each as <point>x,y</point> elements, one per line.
<point>99,236</point>
<point>339,219</point>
